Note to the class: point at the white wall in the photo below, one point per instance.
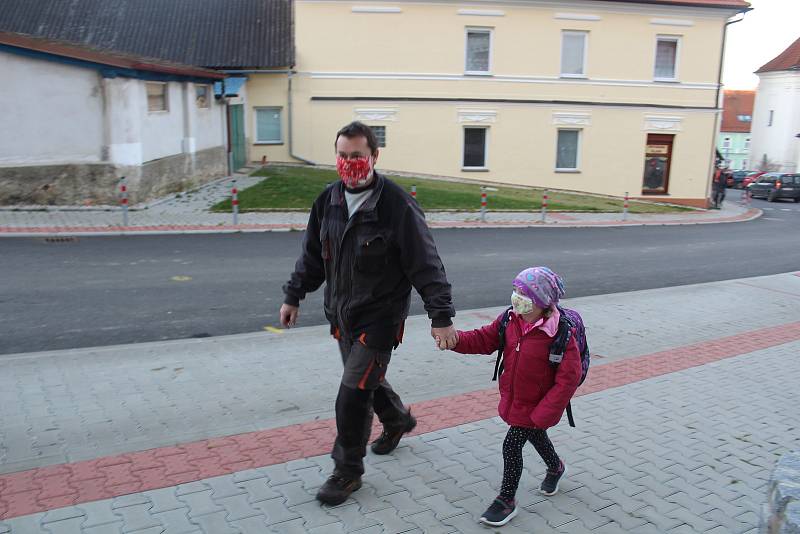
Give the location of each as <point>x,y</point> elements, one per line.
<point>208,124</point>
<point>162,131</point>
<point>50,113</point>
<point>778,91</point>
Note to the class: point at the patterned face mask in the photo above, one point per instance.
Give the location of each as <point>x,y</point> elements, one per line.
<point>521,305</point>
<point>354,172</point>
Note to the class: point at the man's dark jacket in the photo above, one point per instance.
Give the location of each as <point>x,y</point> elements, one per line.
<point>370,261</point>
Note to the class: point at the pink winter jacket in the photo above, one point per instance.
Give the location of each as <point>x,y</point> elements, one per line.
<point>533,393</point>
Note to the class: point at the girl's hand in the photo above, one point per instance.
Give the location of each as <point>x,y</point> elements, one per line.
<point>442,344</point>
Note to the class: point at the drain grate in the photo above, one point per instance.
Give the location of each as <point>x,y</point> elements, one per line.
<point>65,239</point>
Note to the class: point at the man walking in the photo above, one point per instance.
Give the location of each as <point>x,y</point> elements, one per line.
<point>368,241</point>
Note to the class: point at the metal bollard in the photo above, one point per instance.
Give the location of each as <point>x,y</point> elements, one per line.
<point>235,203</point>
<point>483,204</point>
<point>123,190</point>
<point>544,206</point>
<point>625,208</point>
<point>414,192</point>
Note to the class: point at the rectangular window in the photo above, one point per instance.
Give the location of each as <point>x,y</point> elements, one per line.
<point>744,163</point>
<point>771,116</point>
<point>380,133</point>
<point>157,97</point>
<point>745,118</point>
<point>479,51</point>
<point>475,148</point>
<point>567,150</point>
<point>201,96</point>
<point>666,58</point>
<point>747,143</point>
<point>268,125</point>
<point>726,143</point>
<point>573,53</point>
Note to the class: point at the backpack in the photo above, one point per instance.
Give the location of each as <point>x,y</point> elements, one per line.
<point>570,323</point>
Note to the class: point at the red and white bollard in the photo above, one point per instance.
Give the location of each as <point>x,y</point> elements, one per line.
<point>123,200</point>
<point>235,203</point>
<point>544,206</point>
<point>745,199</point>
<point>414,192</point>
<point>483,204</point>
<point>625,208</point>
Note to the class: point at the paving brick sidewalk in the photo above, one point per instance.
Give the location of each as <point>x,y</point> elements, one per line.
<point>686,451</point>
<point>188,213</point>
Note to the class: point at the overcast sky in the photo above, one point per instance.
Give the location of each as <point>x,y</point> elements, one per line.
<point>764,33</point>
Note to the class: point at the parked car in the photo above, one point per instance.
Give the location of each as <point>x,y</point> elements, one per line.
<point>736,178</point>
<point>775,185</point>
<point>752,177</point>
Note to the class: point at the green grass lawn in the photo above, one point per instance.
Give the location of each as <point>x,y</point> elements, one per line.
<point>297,187</point>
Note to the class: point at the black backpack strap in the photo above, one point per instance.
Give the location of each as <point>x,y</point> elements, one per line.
<point>569,415</point>
<point>498,365</point>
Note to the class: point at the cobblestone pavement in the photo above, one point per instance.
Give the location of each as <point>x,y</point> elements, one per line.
<point>677,440</point>
<point>188,213</point>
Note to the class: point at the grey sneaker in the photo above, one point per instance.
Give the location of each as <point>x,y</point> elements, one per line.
<point>499,512</point>
<point>550,483</point>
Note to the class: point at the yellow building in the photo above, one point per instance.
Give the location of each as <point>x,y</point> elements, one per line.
<point>584,95</point>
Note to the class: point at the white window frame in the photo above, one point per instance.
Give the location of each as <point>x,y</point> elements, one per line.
<point>208,95</point>
<point>376,135</point>
<point>747,143</point>
<point>478,29</point>
<point>165,85</point>
<point>578,148</point>
<point>673,38</point>
<point>744,164</point>
<point>485,147</point>
<point>258,141</point>
<point>726,142</point>
<point>585,35</point>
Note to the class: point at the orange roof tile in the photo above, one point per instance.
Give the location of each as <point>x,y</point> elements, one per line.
<point>736,104</point>
<point>789,59</point>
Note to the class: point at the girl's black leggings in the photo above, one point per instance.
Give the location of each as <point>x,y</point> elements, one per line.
<point>512,456</point>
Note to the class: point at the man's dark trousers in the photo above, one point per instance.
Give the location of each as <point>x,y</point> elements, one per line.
<point>363,388</point>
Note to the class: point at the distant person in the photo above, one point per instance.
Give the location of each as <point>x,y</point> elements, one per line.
<point>533,391</point>
<point>368,241</point>
<point>719,186</point>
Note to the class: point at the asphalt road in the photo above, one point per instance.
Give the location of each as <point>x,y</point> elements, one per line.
<point>111,290</point>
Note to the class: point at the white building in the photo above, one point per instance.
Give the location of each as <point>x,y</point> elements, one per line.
<point>776,115</point>
<point>76,119</point>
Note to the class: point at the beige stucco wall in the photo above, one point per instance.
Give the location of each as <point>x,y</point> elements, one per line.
<point>428,138</point>
<point>267,90</point>
<point>377,67</point>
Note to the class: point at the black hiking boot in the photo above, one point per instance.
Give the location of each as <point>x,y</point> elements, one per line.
<point>550,483</point>
<point>388,440</point>
<point>337,489</point>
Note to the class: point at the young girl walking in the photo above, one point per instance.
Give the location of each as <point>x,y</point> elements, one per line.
<point>533,392</point>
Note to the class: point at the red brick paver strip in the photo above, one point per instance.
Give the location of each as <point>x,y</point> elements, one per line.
<point>55,486</point>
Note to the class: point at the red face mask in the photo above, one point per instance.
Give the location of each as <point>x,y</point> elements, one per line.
<point>354,172</point>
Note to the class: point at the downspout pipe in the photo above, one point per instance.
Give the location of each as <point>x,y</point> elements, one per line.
<point>290,121</point>
<point>719,90</point>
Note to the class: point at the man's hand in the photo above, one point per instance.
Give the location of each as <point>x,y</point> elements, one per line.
<point>289,315</point>
<point>446,338</point>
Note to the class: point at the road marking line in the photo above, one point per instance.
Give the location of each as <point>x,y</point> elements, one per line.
<point>273,330</point>
<point>181,278</point>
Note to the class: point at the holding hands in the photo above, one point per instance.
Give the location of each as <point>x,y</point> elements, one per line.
<point>446,338</point>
